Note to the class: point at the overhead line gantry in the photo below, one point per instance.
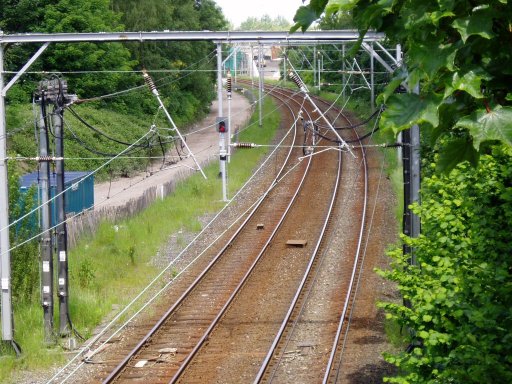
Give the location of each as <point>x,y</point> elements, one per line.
<point>218,37</point>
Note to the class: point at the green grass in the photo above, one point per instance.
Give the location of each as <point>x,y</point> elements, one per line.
<point>396,334</point>
<point>112,266</point>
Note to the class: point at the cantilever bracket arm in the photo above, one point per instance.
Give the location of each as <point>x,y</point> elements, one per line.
<point>24,68</point>
<point>298,81</point>
<point>372,52</point>
<point>154,91</point>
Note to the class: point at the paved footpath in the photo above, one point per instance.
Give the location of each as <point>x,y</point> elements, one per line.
<point>204,145</point>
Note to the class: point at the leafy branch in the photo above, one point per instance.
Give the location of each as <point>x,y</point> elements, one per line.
<point>457,51</point>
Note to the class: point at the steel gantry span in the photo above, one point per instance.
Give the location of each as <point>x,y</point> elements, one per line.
<point>218,37</point>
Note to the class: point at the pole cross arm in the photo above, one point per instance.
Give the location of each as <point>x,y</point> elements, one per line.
<point>24,68</point>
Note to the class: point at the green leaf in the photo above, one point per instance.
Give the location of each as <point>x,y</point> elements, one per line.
<point>431,57</point>
<point>469,82</point>
<point>438,15</point>
<point>479,23</point>
<point>339,5</point>
<point>399,76</point>
<point>318,6</point>
<point>372,14</point>
<point>423,334</point>
<point>307,14</point>
<point>493,125</point>
<point>303,18</point>
<point>455,152</point>
<point>407,109</point>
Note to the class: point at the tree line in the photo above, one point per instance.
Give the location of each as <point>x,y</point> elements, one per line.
<point>95,69</point>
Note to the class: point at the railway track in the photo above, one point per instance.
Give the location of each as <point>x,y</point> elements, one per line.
<point>301,329</point>
<point>187,323</point>
<point>260,310</point>
<point>239,343</point>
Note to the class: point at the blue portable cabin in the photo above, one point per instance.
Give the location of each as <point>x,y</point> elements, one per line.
<point>78,198</point>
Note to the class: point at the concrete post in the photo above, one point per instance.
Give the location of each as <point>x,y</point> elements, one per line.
<point>260,87</point>
<point>62,243</point>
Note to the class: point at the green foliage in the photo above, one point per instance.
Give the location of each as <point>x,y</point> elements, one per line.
<point>187,94</point>
<point>22,15</point>
<point>457,51</point>
<point>87,16</point>
<point>80,140</point>
<point>460,291</point>
<point>70,16</point>
<point>94,69</point>
<point>24,257</point>
<point>339,20</point>
<point>86,273</point>
<point>307,14</point>
<point>264,23</point>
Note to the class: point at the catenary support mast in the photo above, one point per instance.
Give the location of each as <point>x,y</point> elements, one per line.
<point>5,262</point>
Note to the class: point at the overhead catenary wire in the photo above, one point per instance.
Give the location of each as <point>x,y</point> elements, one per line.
<point>378,111</point>
<point>14,222</point>
<point>133,71</point>
<point>98,131</point>
<point>147,303</point>
<point>305,92</point>
<point>119,93</point>
<point>156,279</point>
<point>97,152</point>
<point>159,82</point>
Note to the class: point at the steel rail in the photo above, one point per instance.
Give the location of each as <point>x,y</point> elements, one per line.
<point>341,323</point>
<point>331,362</point>
<point>307,274</point>
<point>123,364</point>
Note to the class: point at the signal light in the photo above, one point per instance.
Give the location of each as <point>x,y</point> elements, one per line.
<point>222,124</point>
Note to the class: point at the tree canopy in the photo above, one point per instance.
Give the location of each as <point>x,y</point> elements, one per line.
<point>265,23</point>
<point>94,69</point>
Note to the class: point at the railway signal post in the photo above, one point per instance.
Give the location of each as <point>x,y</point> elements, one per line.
<point>222,128</point>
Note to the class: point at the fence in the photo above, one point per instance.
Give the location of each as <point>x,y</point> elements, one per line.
<point>88,221</point>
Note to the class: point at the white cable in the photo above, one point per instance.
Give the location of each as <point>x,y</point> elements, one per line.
<point>160,81</point>
<point>101,333</point>
<point>65,190</point>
